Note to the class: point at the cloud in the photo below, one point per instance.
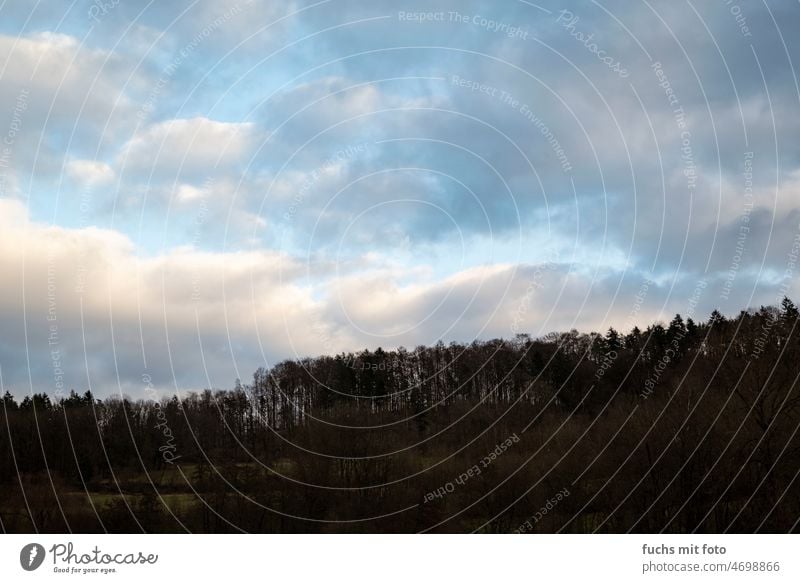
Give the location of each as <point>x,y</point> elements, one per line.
<point>186,147</point>
<point>72,88</point>
<point>90,172</point>
<point>91,305</point>
<point>89,287</point>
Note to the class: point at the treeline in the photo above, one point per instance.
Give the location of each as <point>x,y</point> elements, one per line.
<point>689,426</point>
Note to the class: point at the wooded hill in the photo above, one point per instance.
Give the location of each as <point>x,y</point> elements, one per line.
<point>689,426</point>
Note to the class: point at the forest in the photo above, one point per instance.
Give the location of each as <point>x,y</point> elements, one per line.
<point>681,427</point>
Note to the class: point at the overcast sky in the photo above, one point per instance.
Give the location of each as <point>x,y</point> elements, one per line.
<point>191,190</point>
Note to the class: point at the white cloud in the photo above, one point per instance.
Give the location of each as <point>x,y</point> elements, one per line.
<point>189,193</point>
<point>214,312</point>
<point>94,288</point>
<point>90,172</point>
<point>69,84</point>
<point>187,147</point>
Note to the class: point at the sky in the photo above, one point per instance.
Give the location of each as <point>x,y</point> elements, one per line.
<point>193,190</point>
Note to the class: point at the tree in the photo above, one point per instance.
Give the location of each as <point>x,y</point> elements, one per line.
<point>676,327</point>
<point>633,341</point>
<point>676,335</point>
<point>39,402</point>
<point>789,311</point>
<point>613,340</point>
<point>9,404</point>
<point>716,318</point>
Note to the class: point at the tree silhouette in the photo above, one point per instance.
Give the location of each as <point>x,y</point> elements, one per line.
<point>688,427</point>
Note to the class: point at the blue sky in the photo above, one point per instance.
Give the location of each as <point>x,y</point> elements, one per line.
<point>190,190</point>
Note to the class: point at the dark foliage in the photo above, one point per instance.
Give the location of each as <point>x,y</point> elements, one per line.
<point>678,428</point>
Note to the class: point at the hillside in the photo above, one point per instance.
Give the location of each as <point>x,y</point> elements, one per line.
<point>688,426</point>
